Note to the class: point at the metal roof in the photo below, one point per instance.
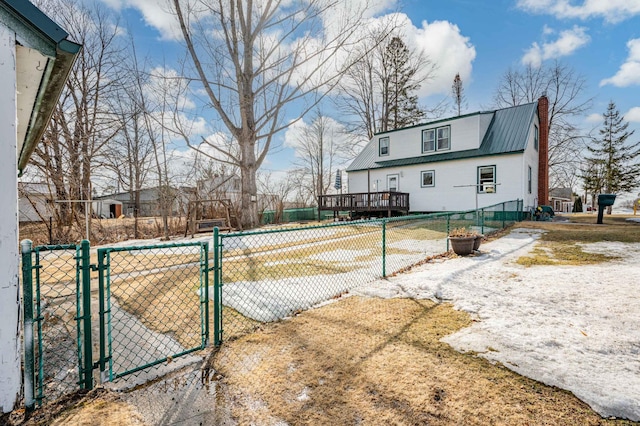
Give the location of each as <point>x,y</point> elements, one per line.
<point>508,133</point>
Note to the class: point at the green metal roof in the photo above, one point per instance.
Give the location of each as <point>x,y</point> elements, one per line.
<point>507,133</point>
<point>37,31</point>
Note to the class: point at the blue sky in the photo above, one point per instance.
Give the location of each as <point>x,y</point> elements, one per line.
<point>599,39</point>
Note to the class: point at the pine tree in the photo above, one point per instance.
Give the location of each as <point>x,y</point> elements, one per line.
<point>457,92</point>
<point>613,156</point>
<point>401,103</point>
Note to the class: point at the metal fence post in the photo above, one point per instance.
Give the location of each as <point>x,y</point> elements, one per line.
<point>217,302</point>
<point>27,297</point>
<point>86,381</point>
<point>102,315</point>
<point>205,290</point>
<point>448,230</point>
<point>384,248</point>
<point>503,214</point>
<point>482,221</point>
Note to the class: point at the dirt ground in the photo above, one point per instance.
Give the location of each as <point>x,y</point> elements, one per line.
<point>365,361</point>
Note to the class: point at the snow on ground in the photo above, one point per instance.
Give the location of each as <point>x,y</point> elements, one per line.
<point>574,327</point>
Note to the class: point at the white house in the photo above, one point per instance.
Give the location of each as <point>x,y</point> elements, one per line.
<point>35,60</point>
<point>449,165</point>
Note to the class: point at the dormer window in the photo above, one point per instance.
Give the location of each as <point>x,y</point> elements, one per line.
<point>383,146</point>
<point>438,139</point>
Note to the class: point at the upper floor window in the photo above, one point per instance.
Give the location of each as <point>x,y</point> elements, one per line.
<point>535,137</point>
<point>486,179</point>
<point>438,139</point>
<point>383,146</point>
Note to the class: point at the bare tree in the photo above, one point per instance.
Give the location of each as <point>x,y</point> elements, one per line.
<point>253,60</point>
<point>129,155</point>
<point>566,92</point>
<point>81,124</point>
<point>317,149</point>
<point>380,87</point>
<point>457,92</point>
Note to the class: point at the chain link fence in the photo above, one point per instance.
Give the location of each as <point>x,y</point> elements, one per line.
<point>136,312</point>
<point>53,310</point>
<point>270,275</point>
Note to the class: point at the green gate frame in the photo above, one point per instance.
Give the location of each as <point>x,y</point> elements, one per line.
<point>33,317</point>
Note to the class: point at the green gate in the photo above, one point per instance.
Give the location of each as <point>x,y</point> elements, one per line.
<point>119,309</point>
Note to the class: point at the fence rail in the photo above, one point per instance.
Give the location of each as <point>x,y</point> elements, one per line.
<point>123,310</point>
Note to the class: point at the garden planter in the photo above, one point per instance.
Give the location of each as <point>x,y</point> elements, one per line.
<point>477,241</point>
<point>462,246</point>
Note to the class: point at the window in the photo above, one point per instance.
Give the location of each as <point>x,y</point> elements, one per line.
<point>486,179</point>
<point>428,140</point>
<point>529,180</point>
<point>428,178</point>
<point>443,138</point>
<point>535,137</point>
<point>438,139</point>
<point>392,182</point>
<point>383,146</point>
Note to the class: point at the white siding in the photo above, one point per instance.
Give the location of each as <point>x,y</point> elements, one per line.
<point>9,258</point>
<point>530,158</point>
<point>466,133</point>
<point>444,195</point>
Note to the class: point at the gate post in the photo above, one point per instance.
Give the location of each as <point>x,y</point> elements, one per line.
<point>86,381</point>
<point>102,329</point>
<point>205,270</point>
<point>217,293</point>
<point>27,297</point>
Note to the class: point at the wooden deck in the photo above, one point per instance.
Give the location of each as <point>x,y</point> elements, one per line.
<point>385,203</point>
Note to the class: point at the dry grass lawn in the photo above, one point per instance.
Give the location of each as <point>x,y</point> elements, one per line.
<point>375,362</point>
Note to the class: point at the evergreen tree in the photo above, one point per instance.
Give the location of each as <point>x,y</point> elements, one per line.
<point>612,167</point>
<point>577,205</point>
<point>457,92</point>
<point>401,103</point>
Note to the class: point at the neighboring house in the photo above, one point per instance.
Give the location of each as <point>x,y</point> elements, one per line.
<point>149,202</point>
<point>35,202</point>
<point>35,60</point>
<point>452,164</point>
<point>561,200</point>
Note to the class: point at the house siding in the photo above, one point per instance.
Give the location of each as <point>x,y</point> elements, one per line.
<point>448,193</point>
<point>466,133</point>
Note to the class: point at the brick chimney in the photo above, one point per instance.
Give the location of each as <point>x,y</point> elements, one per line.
<point>543,150</point>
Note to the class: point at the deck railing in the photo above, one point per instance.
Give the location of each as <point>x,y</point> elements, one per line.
<point>365,201</point>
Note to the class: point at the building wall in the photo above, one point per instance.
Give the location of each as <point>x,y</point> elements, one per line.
<point>9,258</point>
<point>466,133</point>
<point>530,158</point>
<point>448,193</point>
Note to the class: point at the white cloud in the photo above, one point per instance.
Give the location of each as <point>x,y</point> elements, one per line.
<point>448,49</point>
<point>629,72</point>
<point>299,132</point>
<point>633,115</point>
<point>568,42</point>
<point>594,118</point>
<point>610,10</point>
<point>156,13</point>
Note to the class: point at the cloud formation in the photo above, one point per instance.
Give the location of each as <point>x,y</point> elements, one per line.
<point>567,43</point>
<point>156,14</point>
<point>629,72</point>
<point>633,115</point>
<point>611,11</point>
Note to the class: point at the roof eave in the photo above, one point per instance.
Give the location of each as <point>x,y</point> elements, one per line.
<point>51,87</point>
